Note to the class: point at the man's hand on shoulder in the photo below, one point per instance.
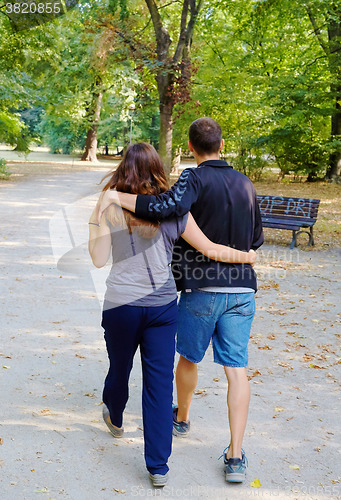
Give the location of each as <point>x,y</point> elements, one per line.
<point>124,200</point>
<point>105,199</point>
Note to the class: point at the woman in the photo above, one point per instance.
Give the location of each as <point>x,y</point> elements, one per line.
<point>140,306</point>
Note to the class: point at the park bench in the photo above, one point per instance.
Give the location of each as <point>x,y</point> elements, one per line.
<point>289,213</point>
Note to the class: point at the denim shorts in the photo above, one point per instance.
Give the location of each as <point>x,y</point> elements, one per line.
<point>223,317</point>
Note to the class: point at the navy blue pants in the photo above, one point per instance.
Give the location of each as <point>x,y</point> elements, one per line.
<point>153,329</point>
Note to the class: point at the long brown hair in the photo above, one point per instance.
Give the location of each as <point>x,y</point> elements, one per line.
<point>140,172</point>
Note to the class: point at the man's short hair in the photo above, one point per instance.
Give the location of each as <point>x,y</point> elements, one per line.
<point>205,135</point>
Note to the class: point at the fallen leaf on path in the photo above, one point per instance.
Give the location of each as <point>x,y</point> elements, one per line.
<point>255,373</point>
<point>6,367</point>
<point>90,394</point>
<point>80,356</point>
<point>294,467</point>
<point>216,379</point>
<point>317,366</point>
<point>307,357</point>
<point>265,347</point>
<point>200,391</point>
<point>285,364</point>
<point>279,408</point>
<point>118,491</point>
<point>1,441</point>
<point>255,483</point>
<point>42,490</point>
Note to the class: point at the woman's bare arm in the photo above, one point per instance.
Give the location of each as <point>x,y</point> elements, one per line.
<point>197,239</point>
<point>99,240</point>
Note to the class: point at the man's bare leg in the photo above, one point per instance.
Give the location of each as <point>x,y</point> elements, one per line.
<point>238,398</point>
<point>186,381</point>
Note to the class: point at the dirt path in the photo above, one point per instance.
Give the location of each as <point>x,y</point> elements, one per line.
<point>53,362</point>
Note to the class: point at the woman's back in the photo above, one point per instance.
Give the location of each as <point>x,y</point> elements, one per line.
<point>141,263</point>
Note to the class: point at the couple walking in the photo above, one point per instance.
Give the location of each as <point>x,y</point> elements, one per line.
<point>208,226</point>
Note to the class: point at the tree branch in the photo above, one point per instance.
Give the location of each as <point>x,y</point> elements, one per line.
<point>216,51</point>
<point>186,32</point>
<point>156,18</point>
<point>313,62</point>
<point>317,31</point>
<point>146,26</point>
<point>163,40</point>
<point>167,4</point>
<point>182,36</point>
<point>194,14</point>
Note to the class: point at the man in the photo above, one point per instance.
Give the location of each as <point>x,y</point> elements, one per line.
<point>217,300</point>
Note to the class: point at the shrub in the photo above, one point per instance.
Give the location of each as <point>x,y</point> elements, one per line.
<point>4,173</point>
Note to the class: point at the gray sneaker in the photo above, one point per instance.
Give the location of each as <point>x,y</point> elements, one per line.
<point>159,480</point>
<point>235,469</point>
<point>115,431</point>
<point>180,428</point>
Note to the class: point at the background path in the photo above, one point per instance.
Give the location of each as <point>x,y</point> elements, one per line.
<point>54,444</point>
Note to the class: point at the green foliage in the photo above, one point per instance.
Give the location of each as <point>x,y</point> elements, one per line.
<point>114,5</point>
<point>13,131</point>
<point>258,67</point>
<point>4,173</point>
<point>61,134</point>
<point>272,89</point>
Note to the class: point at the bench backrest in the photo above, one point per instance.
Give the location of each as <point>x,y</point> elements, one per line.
<point>280,207</point>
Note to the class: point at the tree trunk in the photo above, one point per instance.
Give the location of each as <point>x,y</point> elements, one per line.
<point>90,153</point>
<point>332,49</point>
<point>334,37</point>
<point>166,136</point>
<point>334,168</point>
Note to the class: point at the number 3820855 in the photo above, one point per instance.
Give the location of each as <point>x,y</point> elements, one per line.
<point>33,8</point>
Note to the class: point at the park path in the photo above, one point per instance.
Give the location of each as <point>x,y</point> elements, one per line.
<point>54,444</point>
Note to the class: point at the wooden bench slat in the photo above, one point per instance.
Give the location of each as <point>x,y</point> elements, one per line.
<point>276,213</point>
<point>286,198</point>
<point>281,226</point>
<point>296,220</point>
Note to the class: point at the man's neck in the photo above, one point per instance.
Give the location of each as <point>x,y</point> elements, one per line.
<point>202,158</point>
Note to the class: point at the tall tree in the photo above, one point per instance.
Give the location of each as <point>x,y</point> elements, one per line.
<point>94,113</point>
<point>172,68</point>
<point>325,18</point>
<point>154,49</point>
